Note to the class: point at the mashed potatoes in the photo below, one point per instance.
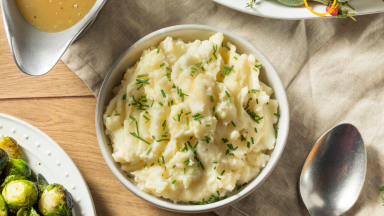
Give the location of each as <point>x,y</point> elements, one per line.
<point>192,120</point>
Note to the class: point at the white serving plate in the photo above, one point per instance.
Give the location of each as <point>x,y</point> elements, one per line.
<point>45,156</point>
<point>274,9</point>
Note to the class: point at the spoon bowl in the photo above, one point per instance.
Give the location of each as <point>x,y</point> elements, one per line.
<point>334,172</point>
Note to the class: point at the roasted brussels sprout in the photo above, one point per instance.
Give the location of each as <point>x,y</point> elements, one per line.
<point>9,145</point>
<point>42,183</point>
<point>19,194</point>
<point>3,207</point>
<point>18,167</point>
<point>27,211</point>
<point>3,159</point>
<point>56,201</point>
<point>12,178</point>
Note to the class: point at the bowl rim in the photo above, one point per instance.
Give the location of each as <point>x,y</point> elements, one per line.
<point>283,131</point>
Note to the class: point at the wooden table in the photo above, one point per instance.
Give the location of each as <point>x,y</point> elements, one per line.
<point>62,106</point>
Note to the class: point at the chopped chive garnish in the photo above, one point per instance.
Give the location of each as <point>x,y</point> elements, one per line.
<point>277,115</point>
<point>173,181</point>
<point>169,176</point>
<point>227,94</point>
<point>214,168</point>
<point>111,143</point>
<point>165,168</point>
<point>218,193</point>
<point>164,136</point>
<point>202,69</point>
<point>142,81</point>
<point>208,125</point>
<point>202,167</point>
<point>217,116</point>
<point>153,137</point>
<point>152,103</point>
<point>255,130</point>
<point>162,158</point>
<point>142,75</point>
<point>164,124</point>
<point>213,109</point>
<point>257,101</point>
<point>198,64</point>
<point>173,166</point>
<point>235,57</point>
<point>193,150</point>
<point>148,119</point>
<point>174,118</point>
<point>218,178</point>
<point>117,114</point>
<point>168,68</point>
<point>255,90</point>
<point>163,93</point>
<point>171,102</point>
<point>276,134</point>
<point>232,154</point>
<point>222,173</point>
<point>160,140</point>
<point>181,69</point>
<point>195,170</point>
<point>252,140</point>
<point>184,171</point>
<point>137,129</point>
<point>255,69</point>
<point>162,65</point>
<point>131,117</point>
<point>196,144</point>
<point>259,65</point>
<point>125,97</point>
<point>161,104</point>
<point>248,144</point>
<point>233,124</point>
<point>141,85</point>
<point>158,50</point>
<point>193,68</point>
<point>129,176</point>
<point>188,113</point>
<point>187,121</point>
<point>133,134</point>
<point>239,187</point>
<point>225,140</point>
<point>145,165</point>
<point>211,98</point>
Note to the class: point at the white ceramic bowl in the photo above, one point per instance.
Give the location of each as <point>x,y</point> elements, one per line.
<point>189,33</point>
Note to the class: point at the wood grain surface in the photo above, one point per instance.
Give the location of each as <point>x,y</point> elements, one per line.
<point>63,107</point>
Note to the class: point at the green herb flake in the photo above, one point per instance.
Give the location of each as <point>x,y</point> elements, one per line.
<point>222,173</point>
<point>208,125</point>
<point>211,98</point>
<point>259,65</point>
<point>248,144</point>
<point>169,176</point>
<point>218,193</point>
<point>142,75</point>
<point>252,140</point>
<point>129,176</point>
<point>187,121</point>
<point>233,124</point>
<point>218,178</point>
<point>160,140</point>
<point>133,134</point>
<point>277,115</point>
<point>235,57</point>
<point>149,151</point>
<point>117,114</point>
<point>161,104</point>
<point>173,181</point>
<point>162,65</point>
<point>145,165</point>
<point>158,50</point>
<point>111,143</point>
<point>255,130</point>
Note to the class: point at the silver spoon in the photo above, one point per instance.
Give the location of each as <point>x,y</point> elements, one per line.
<point>334,172</point>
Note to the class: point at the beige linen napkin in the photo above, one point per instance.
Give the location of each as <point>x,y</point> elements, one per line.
<point>332,70</point>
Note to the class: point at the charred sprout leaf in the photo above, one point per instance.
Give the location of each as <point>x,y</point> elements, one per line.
<point>3,159</point>
<point>18,167</point>
<point>27,211</point>
<point>9,145</point>
<point>3,207</point>
<point>20,193</point>
<point>56,201</point>
<point>42,183</point>
<point>13,178</point>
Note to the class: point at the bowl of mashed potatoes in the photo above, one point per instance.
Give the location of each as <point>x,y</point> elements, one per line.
<point>192,118</point>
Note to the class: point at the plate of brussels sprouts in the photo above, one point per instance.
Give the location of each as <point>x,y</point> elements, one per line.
<point>37,177</point>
